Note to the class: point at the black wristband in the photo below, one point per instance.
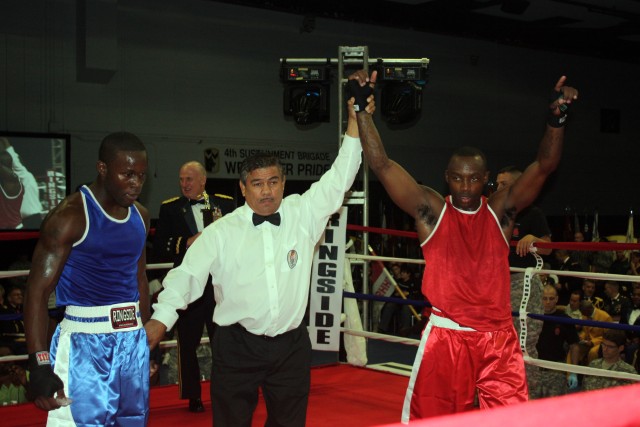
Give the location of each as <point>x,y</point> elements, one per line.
<point>360,93</point>
<point>39,358</point>
<point>42,380</point>
<point>557,121</point>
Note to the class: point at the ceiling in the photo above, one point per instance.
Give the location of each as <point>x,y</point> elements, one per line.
<point>600,28</point>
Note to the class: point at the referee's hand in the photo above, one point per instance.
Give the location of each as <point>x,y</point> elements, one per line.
<point>155,332</point>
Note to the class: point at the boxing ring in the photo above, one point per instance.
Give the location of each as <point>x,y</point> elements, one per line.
<point>570,408</point>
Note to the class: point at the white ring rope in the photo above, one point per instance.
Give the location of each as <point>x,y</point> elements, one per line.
<point>381,337</point>
<point>384,258</point>
<point>584,274</point>
<point>579,369</point>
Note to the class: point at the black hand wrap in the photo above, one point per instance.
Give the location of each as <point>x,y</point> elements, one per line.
<point>360,93</point>
<point>558,121</point>
<point>42,380</point>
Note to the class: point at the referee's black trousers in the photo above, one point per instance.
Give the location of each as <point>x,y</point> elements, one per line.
<point>244,362</point>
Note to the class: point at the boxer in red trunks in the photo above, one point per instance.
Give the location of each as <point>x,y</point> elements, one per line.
<point>469,344</point>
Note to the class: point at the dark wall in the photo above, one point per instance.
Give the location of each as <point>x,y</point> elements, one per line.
<point>194,74</point>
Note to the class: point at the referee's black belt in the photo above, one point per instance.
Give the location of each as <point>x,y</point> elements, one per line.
<point>266,337</point>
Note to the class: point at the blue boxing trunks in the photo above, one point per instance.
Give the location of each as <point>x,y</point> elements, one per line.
<point>101,355</point>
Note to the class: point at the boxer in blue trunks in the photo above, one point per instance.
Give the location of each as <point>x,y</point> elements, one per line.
<point>92,252</point>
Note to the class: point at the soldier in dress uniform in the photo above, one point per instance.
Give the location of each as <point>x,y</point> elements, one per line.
<point>181,221</point>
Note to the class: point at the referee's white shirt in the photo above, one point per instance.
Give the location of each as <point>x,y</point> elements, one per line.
<point>261,274</point>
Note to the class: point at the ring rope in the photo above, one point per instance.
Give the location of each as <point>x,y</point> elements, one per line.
<point>603,246</point>
<point>585,274</point>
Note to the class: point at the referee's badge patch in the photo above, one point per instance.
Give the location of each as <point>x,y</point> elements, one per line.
<point>292,258</point>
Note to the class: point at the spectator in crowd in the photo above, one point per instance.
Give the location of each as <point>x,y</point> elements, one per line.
<point>620,264</point>
<point>612,344</point>
<point>631,312</point>
<point>552,345</point>
<point>590,292</point>
<point>530,226</point>
<point>395,268</point>
<point>12,330</point>
<point>180,223</point>
<point>566,284</point>
<point>601,260</point>
<point>580,258</point>
<point>615,303</point>
<point>631,316</point>
<point>13,381</point>
<point>573,308</point>
<point>5,346</point>
<point>547,279</point>
<point>634,264</point>
<point>407,285</point>
<point>591,336</point>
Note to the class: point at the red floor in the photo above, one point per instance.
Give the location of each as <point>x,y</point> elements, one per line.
<point>341,395</point>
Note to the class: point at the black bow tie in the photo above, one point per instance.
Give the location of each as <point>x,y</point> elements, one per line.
<point>273,219</point>
<point>196,202</point>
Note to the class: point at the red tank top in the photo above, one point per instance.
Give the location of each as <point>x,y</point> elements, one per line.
<point>467,269</point>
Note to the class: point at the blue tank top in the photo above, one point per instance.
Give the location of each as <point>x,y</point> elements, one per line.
<point>102,267</point>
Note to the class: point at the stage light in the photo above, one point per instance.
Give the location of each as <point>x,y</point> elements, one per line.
<point>306,93</point>
<point>402,72</point>
<point>401,91</point>
<point>401,101</point>
<point>307,103</point>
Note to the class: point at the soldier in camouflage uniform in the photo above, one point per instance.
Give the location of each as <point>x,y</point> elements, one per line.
<point>170,363</point>
<point>530,227</point>
<point>612,346</point>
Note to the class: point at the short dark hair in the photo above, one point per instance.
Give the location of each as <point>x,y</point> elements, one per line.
<point>615,335</point>
<point>118,142</point>
<point>12,288</point>
<point>258,161</point>
<point>468,151</point>
<point>585,304</point>
<point>510,169</point>
<point>613,283</point>
<point>406,268</point>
